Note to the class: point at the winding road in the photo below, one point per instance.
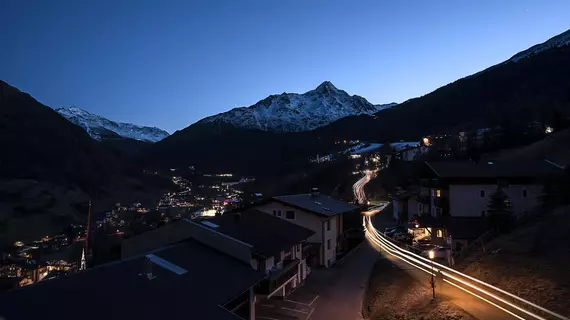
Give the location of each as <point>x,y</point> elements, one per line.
<point>478,298</point>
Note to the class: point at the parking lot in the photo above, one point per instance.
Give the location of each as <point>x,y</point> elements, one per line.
<point>299,305</point>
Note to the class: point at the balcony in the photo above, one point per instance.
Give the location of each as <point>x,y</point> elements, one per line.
<point>277,278</point>
<point>310,249</point>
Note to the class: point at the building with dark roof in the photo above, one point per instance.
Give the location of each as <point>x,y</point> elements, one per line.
<point>182,281</point>
<point>277,247</point>
<point>322,214</point>
<point>463,190</point>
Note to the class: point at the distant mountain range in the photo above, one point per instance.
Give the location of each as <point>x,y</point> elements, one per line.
<point>100,128</point>
<point>558,41</point>
<point>53,168</point>
<point>531,86</point>
<point>293,112</point>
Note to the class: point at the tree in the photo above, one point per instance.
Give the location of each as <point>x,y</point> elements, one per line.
<point>500,216</point>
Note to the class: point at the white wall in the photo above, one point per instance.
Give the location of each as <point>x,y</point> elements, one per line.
<point>313,222</point>
<point>269,264</point>
<point>466,201</point>
<point>332,235</point>
<point>396,208</point>
<point>413,207</point>
<point>307,220</point>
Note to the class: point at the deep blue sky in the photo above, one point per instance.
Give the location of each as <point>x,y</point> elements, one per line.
<point>171,63</point>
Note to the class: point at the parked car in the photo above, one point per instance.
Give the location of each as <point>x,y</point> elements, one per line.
<point>440,252</point>
<point>390,232</point>
<point>404,238</point>
<point>421,242</point>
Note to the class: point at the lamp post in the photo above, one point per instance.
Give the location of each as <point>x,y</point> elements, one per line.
<point>431,257</point>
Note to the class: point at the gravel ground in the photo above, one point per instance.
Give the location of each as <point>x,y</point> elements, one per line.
<point>392,294</point>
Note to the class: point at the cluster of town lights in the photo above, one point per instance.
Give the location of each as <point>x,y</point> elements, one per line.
<point>453,277</point>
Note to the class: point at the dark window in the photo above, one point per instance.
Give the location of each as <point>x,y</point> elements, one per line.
<point>328,244</point>
<point>279,213</point>
<point>275,212</point>
<point>524,193</point>
<point>298,247</point>
<point>289,214</point>
<point>483,213</point>
<point>328,225</point>
<point>482,193</point>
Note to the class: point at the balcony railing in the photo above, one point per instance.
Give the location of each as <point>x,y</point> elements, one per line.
<point>277,278</point>
<point>308,249</point>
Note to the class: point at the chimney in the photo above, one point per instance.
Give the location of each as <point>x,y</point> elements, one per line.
<point>315,192</point>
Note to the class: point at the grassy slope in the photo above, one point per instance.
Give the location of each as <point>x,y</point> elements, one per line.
<point>532,262</point>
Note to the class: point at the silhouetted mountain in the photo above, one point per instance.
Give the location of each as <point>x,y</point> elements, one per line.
<point>528,87</point>
<point>293,112</point>
<point>532,86</point>
<point>222,146</point>
<point>50,167</point>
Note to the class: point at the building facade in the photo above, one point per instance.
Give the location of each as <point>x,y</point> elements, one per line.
<point>321,214</point>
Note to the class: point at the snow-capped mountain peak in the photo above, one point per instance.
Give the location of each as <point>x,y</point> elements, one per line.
<point>560,40</point>
<point>293,112</point>
<point>100,128</point>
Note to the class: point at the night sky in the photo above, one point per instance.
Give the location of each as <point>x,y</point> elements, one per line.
<point>171,63</point>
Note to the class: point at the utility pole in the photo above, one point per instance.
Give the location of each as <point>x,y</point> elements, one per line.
<point>431,257</point>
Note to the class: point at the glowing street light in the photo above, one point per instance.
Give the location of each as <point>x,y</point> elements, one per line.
<point>431,255</point>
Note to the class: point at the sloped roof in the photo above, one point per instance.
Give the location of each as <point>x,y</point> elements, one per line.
<point>212,279</point>
<point>319,204</point>
<point>267,234</point>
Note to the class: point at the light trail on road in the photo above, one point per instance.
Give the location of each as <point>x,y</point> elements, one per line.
<point>460,280</point>
<point>358,187</point>
<point>419,262</point>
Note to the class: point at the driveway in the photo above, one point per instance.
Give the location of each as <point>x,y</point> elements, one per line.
<point>278,309</point>
<point>341,288</point>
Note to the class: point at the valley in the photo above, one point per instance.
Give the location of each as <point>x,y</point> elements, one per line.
<point>487,154</point>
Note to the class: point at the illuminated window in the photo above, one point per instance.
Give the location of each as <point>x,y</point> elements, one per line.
<point>439,234</point>
<point>438,193</point>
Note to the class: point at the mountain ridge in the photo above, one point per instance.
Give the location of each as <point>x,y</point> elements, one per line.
<point>100,128</point>
<point>295,112</point>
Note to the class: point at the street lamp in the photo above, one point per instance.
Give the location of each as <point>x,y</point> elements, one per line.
<point>431,254</point>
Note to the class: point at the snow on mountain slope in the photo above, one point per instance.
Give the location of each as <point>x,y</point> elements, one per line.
<point>100,128</point>
<point>293,112</point>
<point>560,40</point>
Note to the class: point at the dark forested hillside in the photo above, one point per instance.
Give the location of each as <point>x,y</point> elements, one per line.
<point>225,147</point>
<point>50,168</point>
<point>530,89</point>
